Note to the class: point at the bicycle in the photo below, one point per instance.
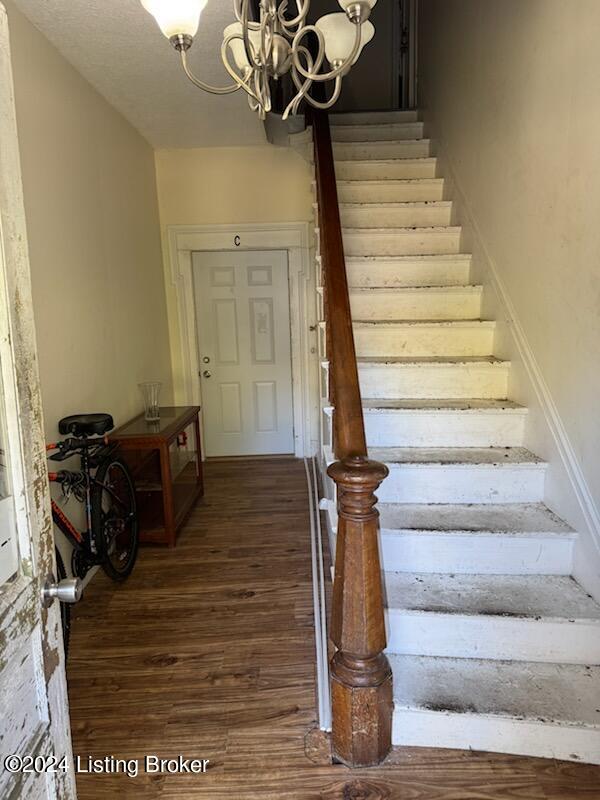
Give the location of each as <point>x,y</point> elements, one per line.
<point>104,484</point>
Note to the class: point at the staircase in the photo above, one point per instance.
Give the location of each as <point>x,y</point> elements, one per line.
<point>493,645</point>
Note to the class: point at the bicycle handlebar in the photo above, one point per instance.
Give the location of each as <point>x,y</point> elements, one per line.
<point>69,447</point>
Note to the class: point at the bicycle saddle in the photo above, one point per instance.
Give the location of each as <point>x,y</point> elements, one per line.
<point>86,425</point>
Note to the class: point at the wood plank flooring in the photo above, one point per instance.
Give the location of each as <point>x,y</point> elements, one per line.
<point>207,651</point>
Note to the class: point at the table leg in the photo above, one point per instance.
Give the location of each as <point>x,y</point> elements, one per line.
<point>199,455</point>
<point>167,485</point>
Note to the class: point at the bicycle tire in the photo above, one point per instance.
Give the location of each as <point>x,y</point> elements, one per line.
<point>65,608</point>
<point>117,551</point>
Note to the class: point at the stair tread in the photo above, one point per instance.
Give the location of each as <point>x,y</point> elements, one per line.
<point>385,290</point>
<point>406,123</point>
<point>371,117</point>
<point>456,456</point>
<point>516,596</point>
<point>441,361</point>
<point>402,230</point>
<point>409,404</point>
<point>547,693</point>
<point>510,518</point>
<point>399,204</point>
<point>411,323</point>
<point>425,258</point>
<point>386,161</point>
<point>389,181</point>
<point>386,142</point>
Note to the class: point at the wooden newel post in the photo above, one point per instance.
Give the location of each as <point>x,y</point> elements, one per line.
<point>360,672</point>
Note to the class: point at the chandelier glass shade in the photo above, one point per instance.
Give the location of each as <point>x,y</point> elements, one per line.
<point>280,42</point>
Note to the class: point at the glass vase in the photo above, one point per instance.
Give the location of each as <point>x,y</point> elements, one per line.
<point>151,393</point>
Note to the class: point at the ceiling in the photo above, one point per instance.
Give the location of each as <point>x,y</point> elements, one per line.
<point>118,47</point>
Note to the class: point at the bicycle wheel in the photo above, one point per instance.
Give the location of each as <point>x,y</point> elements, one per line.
<point>114,519</point>
<point>65,608</point>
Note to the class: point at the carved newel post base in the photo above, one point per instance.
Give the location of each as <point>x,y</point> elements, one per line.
<point>360,673</point>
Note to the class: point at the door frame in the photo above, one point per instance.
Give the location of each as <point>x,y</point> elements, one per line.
<point>184,240</point>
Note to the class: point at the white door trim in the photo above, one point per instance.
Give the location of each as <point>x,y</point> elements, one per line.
<point>183,240</point>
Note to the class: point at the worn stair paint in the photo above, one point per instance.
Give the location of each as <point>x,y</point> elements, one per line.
<point>493,645</point>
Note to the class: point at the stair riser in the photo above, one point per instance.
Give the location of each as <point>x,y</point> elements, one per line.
<point>452,382</point>
<point>408,273</point>
<point>423,341</point>
<point>386,170</point>
<point>374,118</point>
<point>444,429</point>
<point>405,243</point>
<point>461,483</point>
<point>419,216</point>
<point>489,637</point>
<point>473,554</point>
<point>377,133</point>
<point>377,151</point>
<point>389,192</point>
<point>416,728</point>
<point>415,304</point>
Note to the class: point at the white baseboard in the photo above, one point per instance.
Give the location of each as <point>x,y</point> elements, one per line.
<point>568,493</point>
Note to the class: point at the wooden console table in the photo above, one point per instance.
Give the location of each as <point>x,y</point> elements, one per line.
<point>166,464</point>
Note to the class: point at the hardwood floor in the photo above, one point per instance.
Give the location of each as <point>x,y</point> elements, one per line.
<point>207,652</point>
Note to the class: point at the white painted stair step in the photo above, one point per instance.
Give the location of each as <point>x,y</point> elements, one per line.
<point>448,378</point>
<point>416,303</point>
<point>546,618</point>
<point>543,710</point>
<point>418,338</point>
<point>396,215</point>
<point>405,271</point>
<point>391,191</point>
<point>402,148</point>
<point>513,539</point>
<point>460,475</point>
<point>401,241</point>
<point>373,117</point>
<point>444,423</point>
<point>385,169</point>
<point>382,132</point>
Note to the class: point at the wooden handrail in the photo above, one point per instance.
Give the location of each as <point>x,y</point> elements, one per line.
<point>361,678</point>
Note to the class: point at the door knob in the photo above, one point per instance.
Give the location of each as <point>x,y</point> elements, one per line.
<point>207,373</point>
<point>68,591</point>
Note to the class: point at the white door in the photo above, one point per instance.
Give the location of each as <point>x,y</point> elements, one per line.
<point>35,751</point>
<point>244,352</point>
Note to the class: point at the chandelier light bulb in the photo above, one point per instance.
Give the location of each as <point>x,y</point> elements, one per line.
<point>176,17</point>
<point>340,35</point>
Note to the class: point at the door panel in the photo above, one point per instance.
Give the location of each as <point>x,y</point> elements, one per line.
<point>34,717</point>
<point>244,349</point>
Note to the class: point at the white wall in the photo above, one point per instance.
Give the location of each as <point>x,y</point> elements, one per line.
<point>512,91</point>
<point>94,238</point>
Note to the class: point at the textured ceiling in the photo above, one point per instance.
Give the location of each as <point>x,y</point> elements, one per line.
<point>118,47</point>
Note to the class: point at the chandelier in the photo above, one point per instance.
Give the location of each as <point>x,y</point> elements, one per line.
<point>274,46</point>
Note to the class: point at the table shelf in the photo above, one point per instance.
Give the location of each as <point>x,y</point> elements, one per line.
<point>166,462</point>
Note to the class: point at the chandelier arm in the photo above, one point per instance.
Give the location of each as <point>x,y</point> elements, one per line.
<point>332,100</point>
<point>252,26</point>
<point>205,86</point>
<point>242,83</point>
<point>302,86</point>
<point>303,7</point>
<point>248,46</point>
<point>337,71</point>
